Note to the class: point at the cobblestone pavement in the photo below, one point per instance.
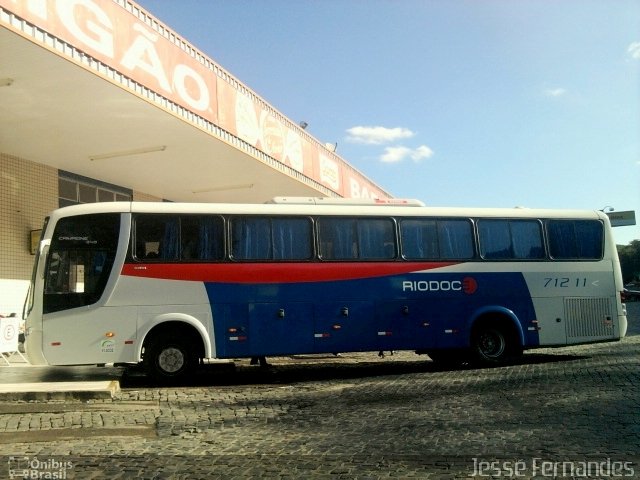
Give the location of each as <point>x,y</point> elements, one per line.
<point>559,413</point>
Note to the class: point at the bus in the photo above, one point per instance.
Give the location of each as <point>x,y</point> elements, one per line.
<point>168,285</point>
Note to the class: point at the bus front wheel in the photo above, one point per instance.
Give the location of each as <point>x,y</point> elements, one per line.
<point>167,358</point>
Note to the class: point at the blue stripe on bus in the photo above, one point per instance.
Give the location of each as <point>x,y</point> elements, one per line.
<point>397,312</point>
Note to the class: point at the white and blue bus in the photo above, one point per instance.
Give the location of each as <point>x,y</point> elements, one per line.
<point>169,284</point>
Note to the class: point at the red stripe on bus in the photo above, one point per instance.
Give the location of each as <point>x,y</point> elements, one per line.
<point>274,272</point>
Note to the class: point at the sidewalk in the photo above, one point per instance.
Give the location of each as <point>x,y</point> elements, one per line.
<point>21,381</point>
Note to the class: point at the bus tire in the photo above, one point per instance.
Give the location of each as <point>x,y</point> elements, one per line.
<point>494,343</point>
<point>168,358</point>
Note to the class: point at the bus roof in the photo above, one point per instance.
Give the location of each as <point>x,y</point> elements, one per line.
<point>315,209</point>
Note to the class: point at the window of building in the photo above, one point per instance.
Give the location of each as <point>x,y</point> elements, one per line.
<point>75,189</point>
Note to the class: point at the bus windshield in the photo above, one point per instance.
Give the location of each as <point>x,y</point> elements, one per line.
<point>80,260</point>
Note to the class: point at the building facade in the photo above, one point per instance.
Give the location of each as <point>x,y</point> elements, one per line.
<point>100,101</point>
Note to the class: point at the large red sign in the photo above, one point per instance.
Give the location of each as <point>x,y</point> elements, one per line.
<point>144,50</point>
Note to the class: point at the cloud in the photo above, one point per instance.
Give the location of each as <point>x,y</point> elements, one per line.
<point>377,135</point>
<point>380,135</point>
<point>398,154</point>
<point>395,154</point>
<point>555,92</point>
<point>421,152</point>
<point>634,50</point>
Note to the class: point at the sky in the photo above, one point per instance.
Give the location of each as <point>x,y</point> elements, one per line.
<point>468,103</point>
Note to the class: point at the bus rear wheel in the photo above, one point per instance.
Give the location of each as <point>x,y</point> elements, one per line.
<point>494,344</point>
<point>168,359</point>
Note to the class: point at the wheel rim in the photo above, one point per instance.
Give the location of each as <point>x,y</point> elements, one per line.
<point>491,344</point>
<point>171,360</point>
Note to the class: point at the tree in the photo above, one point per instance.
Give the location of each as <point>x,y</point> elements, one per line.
<point>630,261</point>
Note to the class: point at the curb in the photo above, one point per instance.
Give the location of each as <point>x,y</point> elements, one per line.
<point>43,391</point>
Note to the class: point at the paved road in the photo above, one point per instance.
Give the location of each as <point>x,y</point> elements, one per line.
<point>559,413</point>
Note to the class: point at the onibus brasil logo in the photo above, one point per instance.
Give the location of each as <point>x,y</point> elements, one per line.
<point>38,468</point>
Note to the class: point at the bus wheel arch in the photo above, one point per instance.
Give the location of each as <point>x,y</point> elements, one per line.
<point>495,338</point>
<point>171,351</point>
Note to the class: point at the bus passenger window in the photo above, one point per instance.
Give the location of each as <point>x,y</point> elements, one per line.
<point>201,238</point>
<point>526,237</point>
<point>376,239</point>
<point>267,238</point>
<point>436,239</point>
<point>156,237</point>
<point>455,238</point>
<point>575,239</point>
<point>419,239</point>
<point>510,239</point>
<point>356,239</point>
<point>495,240</point>
<point>292,239</point>
<point>251,239</point>
<point>337,239</point>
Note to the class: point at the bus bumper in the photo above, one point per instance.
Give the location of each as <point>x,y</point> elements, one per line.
<point>33,347</point>
<point>622,322</point>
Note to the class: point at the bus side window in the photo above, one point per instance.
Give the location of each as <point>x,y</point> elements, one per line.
<point>376,239</point>
<point>590,239</point>
<point>575,239</point>
<point>419,239</point>
<point>168,249</point>
<point>211,238</point>
<point>292,239</point>
<point>526,237</point>
<point>510,239</point>
<point>338,239</point>
<point>455,238</point>
<point>495,240</point>
<point>251,238</point>
<point>271,238</point>
<point>201,238</point>
<point>436,239</point>
<point>351,239</point>
<point>156,237</point>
